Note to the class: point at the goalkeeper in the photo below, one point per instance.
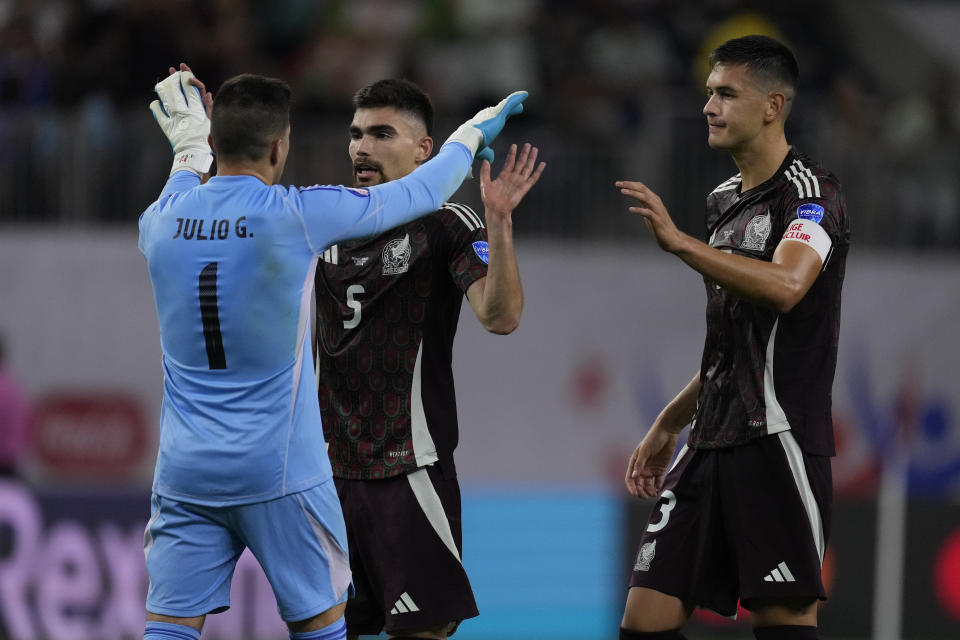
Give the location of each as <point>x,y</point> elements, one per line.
<point>241,460</point>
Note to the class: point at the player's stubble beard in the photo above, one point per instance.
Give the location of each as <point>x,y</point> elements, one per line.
<point>370,183</point>
<point>379,178</point>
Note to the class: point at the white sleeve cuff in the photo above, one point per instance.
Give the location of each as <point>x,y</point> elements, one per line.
<point>811,234</point>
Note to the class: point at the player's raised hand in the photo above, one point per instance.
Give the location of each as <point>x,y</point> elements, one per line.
<point>205,95</point>
<point>478,132</point>
<point>517,177</point>
<point>649,463</point>
<point>181,113</point>
<point>654,213</point>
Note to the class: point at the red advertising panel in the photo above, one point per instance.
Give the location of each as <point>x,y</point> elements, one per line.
<point>99,435</point>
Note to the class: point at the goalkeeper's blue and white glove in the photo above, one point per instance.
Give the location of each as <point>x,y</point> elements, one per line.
<point>180,113</point>
<point>478,132</point>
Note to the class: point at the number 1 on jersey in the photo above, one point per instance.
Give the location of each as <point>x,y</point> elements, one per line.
<point>210,314</point>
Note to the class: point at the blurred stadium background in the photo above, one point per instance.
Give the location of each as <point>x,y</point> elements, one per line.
<point>612,327</point>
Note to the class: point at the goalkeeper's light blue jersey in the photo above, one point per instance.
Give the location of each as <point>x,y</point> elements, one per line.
<point>232,265</point>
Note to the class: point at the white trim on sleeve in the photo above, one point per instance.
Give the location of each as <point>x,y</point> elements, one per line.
<point>811,234</point>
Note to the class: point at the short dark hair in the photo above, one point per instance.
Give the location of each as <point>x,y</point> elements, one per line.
<point>249,113</point>
<point>399,93</point>
<point>768,59</point>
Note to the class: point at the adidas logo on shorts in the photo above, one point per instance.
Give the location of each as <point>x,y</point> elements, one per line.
<point>404,605</point>
<point>780,574</point>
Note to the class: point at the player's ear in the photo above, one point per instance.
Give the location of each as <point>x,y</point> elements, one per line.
<point>276,152</point>
<point>210,142</point>
<point>775,106</point>
<point>424,149</point>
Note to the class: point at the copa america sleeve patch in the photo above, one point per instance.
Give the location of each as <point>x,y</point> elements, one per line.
<point>811,234</point>
<point>482,249</point>
<point>360,193</point>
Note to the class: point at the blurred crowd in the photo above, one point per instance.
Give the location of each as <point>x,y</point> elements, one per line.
<point>596,60</point>
<point>615,88</point>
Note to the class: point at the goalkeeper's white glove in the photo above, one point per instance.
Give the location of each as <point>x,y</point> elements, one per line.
<point>181,115</point>
<point>478,132</point>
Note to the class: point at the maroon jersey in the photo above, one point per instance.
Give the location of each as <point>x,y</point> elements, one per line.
<point>387,312</point>
<point>763,372</point>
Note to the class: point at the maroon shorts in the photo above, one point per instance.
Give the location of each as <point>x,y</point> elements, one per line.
<point>739,523</point>
<point>405,547</point>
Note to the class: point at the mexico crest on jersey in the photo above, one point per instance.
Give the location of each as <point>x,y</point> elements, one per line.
<point>756,234</point>
<point>645,556</point>
<point>396,256</point>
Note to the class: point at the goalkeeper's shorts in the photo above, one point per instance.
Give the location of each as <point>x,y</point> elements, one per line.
<point>300,541</point>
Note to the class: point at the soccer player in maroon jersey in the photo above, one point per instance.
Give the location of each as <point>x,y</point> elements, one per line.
<point>743,512</point>
<point>387,311</point>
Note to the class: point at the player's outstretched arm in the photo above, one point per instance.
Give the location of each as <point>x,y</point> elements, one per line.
<point>421,192</point>
<point>478,132</point>
<point>497,298</point>
<point>779,284</point>
<point>650,461</point>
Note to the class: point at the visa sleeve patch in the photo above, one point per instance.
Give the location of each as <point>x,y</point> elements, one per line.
<point>811,234</point>
<point>810,211</point>
<point>482,249</point>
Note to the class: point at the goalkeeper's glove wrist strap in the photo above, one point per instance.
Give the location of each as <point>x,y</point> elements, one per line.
<point>469,136</point>
<point>197,160</point>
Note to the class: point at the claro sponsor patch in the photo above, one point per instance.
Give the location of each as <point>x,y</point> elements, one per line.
<point>810,211</point>
<point>482,249</point>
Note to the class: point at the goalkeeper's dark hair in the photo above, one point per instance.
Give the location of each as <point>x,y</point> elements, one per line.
<point>399,93</point>
<point>767,59</point>
<point>249,113</point>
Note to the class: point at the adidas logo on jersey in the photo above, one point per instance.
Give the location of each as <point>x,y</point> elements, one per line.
<point>404,605</point>
<point>331,255</point>
<point>780,574</point>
